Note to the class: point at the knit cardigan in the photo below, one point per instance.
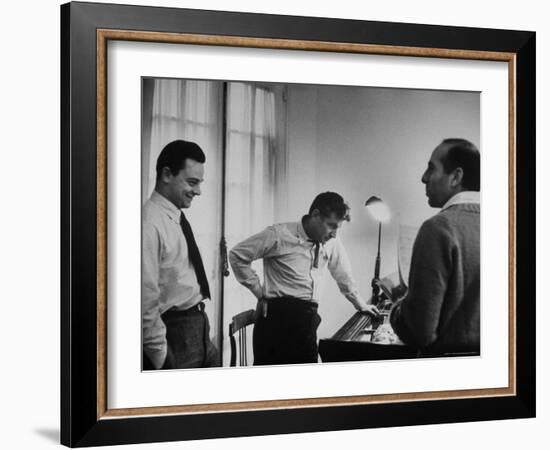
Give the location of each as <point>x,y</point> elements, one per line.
<point>440,312</point>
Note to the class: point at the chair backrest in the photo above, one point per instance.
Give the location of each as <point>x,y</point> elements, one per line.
<point>238,327</point>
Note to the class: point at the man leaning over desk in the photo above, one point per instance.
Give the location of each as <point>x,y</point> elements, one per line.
<point>296,257</point>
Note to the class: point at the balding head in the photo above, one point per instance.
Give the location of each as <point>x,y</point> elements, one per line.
<point>453,168</point>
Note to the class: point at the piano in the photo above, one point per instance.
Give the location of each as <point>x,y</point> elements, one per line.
<point>364,338</point>
<point>357,340</point>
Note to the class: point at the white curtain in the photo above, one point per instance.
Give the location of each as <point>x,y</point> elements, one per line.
<point>252,176</point>
<point>182,109</point>
<point>190,110</point>
<point>255,170</point>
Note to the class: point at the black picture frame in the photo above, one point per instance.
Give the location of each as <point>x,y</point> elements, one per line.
<point>81,422</point>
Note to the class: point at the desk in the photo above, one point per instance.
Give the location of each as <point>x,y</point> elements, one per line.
<point>352,343</point>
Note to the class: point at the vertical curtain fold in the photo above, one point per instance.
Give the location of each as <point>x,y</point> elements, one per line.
<point>250,179</point>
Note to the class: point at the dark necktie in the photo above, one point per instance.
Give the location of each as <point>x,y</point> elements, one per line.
<point>316,258</point>
<point>195,256</point>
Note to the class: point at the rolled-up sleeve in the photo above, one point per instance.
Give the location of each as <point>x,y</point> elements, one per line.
<point>154,330</point>
<point>340,269</point>
<point>243,254</point>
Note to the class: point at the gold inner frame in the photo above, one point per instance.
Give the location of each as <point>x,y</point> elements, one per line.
<point>104,35</point>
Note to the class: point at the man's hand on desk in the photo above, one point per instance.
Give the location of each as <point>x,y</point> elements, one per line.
<point>370,309</point>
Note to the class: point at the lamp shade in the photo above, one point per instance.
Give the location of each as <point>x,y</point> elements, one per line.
<point>377,209</point>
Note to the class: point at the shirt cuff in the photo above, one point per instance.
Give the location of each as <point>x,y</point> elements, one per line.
<point>359,303</point>
<point>157,358</point>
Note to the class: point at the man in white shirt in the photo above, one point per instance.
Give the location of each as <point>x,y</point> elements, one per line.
<point>175,327</point>
<point>296,257</point>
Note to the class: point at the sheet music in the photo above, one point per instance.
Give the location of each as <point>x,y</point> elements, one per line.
<point>407,235</point>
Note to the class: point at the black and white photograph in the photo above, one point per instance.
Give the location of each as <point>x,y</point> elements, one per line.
<point>287,223</point>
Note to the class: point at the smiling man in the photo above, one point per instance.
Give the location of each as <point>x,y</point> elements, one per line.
<point>296,256</point>
<point>176,331</point>
<point>440,312</point>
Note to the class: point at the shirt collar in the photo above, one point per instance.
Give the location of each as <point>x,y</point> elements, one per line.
<point>166,205</point>
<point>462,197</point>
<point>300,231</point>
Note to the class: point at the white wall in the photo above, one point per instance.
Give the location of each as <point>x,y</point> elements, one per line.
<point>369,141</point>
<point>30,252</point>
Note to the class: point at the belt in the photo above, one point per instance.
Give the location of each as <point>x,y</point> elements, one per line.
<point>199,307</point>
<point>292,301</point>
<point>289,305</point>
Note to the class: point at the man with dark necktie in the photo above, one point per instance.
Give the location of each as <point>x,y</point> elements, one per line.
<point>176,331</point>
<point>296,257</point>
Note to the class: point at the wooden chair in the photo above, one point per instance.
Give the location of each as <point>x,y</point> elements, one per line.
<point>239,326</point>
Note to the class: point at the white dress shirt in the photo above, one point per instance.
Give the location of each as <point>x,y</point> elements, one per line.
<point>288,259</point>
<point>168,278</point>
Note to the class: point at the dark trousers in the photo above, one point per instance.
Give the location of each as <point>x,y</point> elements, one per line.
<point>188,337</point>
<point>288,335</point>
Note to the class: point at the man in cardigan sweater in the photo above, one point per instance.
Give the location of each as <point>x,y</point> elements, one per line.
<point>441,310</point>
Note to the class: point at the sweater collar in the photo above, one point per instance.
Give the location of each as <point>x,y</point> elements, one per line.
<point>462,197</point>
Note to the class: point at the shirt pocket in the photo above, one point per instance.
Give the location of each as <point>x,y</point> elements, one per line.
<point>298,260</point>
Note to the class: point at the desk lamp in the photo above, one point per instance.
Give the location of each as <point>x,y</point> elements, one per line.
<point>380,212</point>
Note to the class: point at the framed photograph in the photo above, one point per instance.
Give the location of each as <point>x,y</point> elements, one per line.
<point>272,224</point>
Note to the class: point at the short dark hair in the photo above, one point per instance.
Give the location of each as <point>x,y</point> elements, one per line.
<point>328,203</point>
<point>464,154</point>
<point>174,155</point>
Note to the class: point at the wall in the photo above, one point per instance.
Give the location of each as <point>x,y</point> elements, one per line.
<point>369,141</point>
